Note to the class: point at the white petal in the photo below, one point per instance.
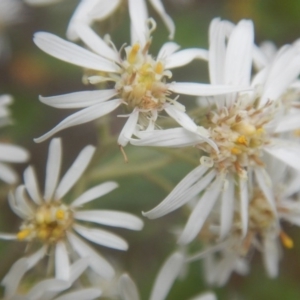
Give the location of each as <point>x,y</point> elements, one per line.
<point>265,184</point>
<point>168,273</point>
<point>238,61</point>
<point>96,262</point>
<point>13,277</point>
<point>83,116</point>
<point>261,59</point>
<point>271,255</point>
<point>22,203</point>
<point>184,57</point>
<point>95,43</point>
<point>110,218</point>
<point>104,9</point>
<point>12,153</point>
<point>288,123</point>
<point>40,290</point>
<point>167,49</point>
<point>227,207</point>
<point>181,117</point>
<point>201,212</point>
<point>224,269</point>
<point>62,264</point>
<point>82,15</point>
<point>201,89</point>
<point>158,6</point>
<point>102,237</point>
<point>16,209</point>
<point>286,151</point>
<point>217,51</point>
<point>188,188</point>
<point>285,69</point>
<point>72,53</point>
<point>8,236</point>
<point>295,220</point>
<point>186,122</point>
<point>138,17</point>
<point>260,78</point>
<point>53,168</point>
<point>128,128</point>
<point>244,205</point>
<point>292,186</point>
<point>127,288</point>
<point>34,258</point>
<point>75,171</point>
<point>77,269</point>
<point>40,2</point>
<point>7,174</point>
<point>95,193</point>
<point>78,99</point>
<point>6,99</point>
<point>175,137</point>
<point>83,294</point>
<point>31,185</point>
<point>206,296</point>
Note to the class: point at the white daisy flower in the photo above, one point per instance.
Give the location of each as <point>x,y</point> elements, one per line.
<point>9,153</point>
<point>265,232</point>
<point>139,83</point>
<point>243,126</point>
<point>89,11</point>
<point>165,278</point>
<point>48,289</point>
<point>53,223</point>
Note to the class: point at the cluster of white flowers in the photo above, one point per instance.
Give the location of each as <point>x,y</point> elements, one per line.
<point>246,135</point>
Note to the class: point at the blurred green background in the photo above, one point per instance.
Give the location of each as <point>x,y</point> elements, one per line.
<point>151,173</point>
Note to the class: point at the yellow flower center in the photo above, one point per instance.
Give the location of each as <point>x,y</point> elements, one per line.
<point>50,223</point>
<point>142,80</point>
<point>261,215</point>
<point>239,134</point>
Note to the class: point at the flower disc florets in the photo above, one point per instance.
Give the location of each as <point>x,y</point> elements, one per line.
<point>49,223</point>
<point>141,82</point>
<point>261,215</point>
<point>240,133</point>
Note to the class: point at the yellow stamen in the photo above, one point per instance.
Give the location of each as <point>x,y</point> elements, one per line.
<point>60,214</point>
<point>159,68</point>
<point>133,53</point>
<point>244,128</point>
<point>235,151</point>
<point>40,218</point>
<point>43,233</point>
<point>23,234</point>
<point>260,131</point>
<point>297,132</point>
<point>57,232</point>
<point>286,240</point>
<point>242,140</point>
